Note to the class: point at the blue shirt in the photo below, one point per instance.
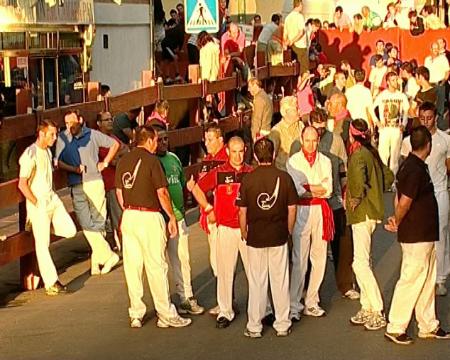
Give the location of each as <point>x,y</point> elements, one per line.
<point>82,149</point>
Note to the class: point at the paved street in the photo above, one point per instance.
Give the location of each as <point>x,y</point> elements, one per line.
<point>92,322</point>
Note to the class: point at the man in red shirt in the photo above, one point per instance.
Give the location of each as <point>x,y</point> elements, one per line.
<point>104,123</point>
<point>216,156</point>
<point>225,181</point>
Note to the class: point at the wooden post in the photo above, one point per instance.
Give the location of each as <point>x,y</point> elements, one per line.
<point>194,73</point>
<point>29,272</point>
<point>93,91</point>
<point>147,78</point>
<point>194,108</point>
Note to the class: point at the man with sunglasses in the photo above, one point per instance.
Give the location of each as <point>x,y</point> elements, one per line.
<point>177,247</point>
<point>114,211</point>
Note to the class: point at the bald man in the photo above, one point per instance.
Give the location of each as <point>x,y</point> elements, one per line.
<point>313,179</point>
<point>337,110</point>
<point>225,181</point>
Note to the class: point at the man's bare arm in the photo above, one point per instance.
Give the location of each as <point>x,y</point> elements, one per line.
<point>26,191</point>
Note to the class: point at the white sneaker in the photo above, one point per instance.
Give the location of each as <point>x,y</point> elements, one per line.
<point>214,311</point>
<point>315,311</point>
<point>176,322</point>
<point>110,263</point>
<point>441,290</point>
<point>136,323</point>
<point>351,295</point>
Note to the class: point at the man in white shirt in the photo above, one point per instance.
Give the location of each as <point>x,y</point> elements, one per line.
<point>438,165</point>
<point>376,75</point>
<point>393,108</point>
<point>411,87</point>
<point>44,207</point>
<point>341,20</point>
<point>439,68</point>
<point>313,179</point>
<point>294,35</point>
<point>359,100</point>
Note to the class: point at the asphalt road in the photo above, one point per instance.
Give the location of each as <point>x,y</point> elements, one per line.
<point>92,322</point>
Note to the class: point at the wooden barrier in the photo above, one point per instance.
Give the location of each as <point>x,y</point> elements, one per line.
<point>21,128</point>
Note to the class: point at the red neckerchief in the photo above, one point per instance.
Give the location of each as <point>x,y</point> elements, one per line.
<point>342,115</point>
<point>310,157</point>
<point>353,147</point>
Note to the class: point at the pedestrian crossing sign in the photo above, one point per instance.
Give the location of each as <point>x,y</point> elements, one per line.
<point>201,15</point>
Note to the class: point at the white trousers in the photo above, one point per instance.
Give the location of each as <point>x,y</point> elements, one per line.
<point>212,241</point>
<point>414,290</point>
<point>48,212</point>
<point>307,243</point>
<point>266,264</point>
<point>89,204</point>
<point>371,299</point>
<point>229,244</point>
<point>178,253</point>
<point>389,145</point>
<point>443,245</point>
<point>144,243</point>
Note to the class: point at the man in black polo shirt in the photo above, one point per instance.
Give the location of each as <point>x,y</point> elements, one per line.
<point>141,189</point>
<point>267,208</point>
<point>416,222</point>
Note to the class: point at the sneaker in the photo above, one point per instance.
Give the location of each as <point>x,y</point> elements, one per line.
<point>438,334</point>
<point>214,311</point>
<point>441,290</point>
<point>252,334</point>
<point>295,318</point>
<point>136,323</point>
<point>284,333</point>
<point>351,295</point>
<point>222,322</point>
<point>176,322</point>
<point>315,311</point>
<point>190,306</point>
<point>375,322</point>
<point>56,289</point>
<point>361,317</point>
<point>110,263</point>
<point>401,339</point>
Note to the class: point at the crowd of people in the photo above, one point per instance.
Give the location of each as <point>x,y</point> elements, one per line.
<point>279,193</point>
<point>171,39</point>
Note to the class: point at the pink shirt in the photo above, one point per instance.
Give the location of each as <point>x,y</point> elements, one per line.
<point>240,41</point>
<point>305,100</point>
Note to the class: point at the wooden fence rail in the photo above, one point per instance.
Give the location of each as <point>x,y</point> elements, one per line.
<point>22,127</point>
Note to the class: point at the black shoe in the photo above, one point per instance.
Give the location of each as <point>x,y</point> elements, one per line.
<point>222,322</point>
<point>401,339</point>
<point>268,320</point>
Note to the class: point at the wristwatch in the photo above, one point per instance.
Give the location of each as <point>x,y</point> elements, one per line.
<point>105,164</point>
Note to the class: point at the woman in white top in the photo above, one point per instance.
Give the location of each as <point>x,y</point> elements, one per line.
<point>209,56</point>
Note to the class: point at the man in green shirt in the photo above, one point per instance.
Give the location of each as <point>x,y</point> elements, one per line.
<point>178,247</point>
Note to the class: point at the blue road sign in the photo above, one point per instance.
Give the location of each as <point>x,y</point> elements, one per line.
<point>201,15</point>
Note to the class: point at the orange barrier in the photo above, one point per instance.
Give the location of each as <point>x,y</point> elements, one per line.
<point>358,49</point>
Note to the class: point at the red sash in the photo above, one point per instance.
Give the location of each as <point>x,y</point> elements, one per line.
<point>327,216</point>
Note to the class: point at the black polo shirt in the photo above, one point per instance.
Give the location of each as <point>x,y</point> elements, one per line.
<point>139,174</point>
<point>266,193</point>
<point>421,223</point>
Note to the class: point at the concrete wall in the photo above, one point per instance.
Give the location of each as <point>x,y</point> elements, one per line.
<point>127,27</point>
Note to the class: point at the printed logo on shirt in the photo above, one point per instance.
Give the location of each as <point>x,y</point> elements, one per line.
<point>266,201</point>
<point>128,179</point>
